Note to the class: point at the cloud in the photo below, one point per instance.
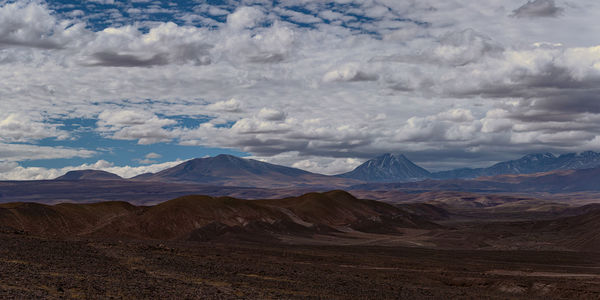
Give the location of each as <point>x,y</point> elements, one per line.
<point>447,82</point>
<point>127,60</point>
<point>231,105</point>
<point>256,126</point>
<point>163,44</point>
<point>105,2</point>
<point>349,72</point>
<point>270,114</point>
<point>13,171</point>
<point>153,155</point>
<point>22,128</point>
<point>149,158</point>
<point>453,48</point>
<point>455,125</point>
<point>30,24</point>
<point>266,45</point>
<point>142,126</point>
<point>245,17</point>
<point>538,8</point>
<point>22,152</point>
<point>315,164</point>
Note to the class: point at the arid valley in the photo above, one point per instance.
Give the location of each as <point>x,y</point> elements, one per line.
<point>416,241</point>
<point>314,149</point>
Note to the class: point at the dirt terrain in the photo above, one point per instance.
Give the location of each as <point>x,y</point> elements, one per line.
<point>33,267</point>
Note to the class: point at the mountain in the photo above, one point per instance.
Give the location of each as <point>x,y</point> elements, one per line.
<point>387,168</point>
<point>228,170</point>
<point>561,181</point>
<point>89,175</point>
<point>204,217</point>
<point>528,164</point>
<point>553,181</point>
<point>397,168</point>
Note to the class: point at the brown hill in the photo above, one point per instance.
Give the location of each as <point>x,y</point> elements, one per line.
<point>61,220</point>
<point>204,217</point>
<point>429,211</point>
<point>580,232</point>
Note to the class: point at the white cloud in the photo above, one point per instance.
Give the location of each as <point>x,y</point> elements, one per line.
<point>163,44</point>
<point>30,24</point>
<point>21,152</point>
<point>142,126</point>
<point>349,72</point>
<point>474,79</point>
<point>13,171</point>
<point>22,128</point>
<point>153,155</point>
<point>270,114</point>
<point>231,105</point>
<point>245,17</point>
<point>315,164</point>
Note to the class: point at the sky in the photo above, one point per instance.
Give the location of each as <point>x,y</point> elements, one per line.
<point>138,86</point>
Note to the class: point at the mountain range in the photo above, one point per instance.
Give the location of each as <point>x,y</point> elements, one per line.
<point>397,168</point>
<point>528,164</point>
<point>228,170</point>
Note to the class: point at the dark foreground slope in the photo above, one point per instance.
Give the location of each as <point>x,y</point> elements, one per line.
<point>34,268</point>
<point>580,232</point>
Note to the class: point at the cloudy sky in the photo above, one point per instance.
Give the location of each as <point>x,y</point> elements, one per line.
<point>136,86</point>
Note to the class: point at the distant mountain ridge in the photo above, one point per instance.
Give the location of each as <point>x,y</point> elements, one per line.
<point>228,170</point>
<point>387,168</point>
<point>528,164</point>
<point>558,181</point>
<point>398,168</point>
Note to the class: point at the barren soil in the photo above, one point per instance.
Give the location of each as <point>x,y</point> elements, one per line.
<point>33,267</point>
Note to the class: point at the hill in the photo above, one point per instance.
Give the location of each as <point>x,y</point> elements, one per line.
<point>204,217</point>
<point>61,220</point>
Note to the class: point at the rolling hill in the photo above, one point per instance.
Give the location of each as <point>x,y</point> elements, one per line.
<point>204,217</point>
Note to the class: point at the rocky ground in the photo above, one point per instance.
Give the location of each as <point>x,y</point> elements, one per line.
<point>33,267</point>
